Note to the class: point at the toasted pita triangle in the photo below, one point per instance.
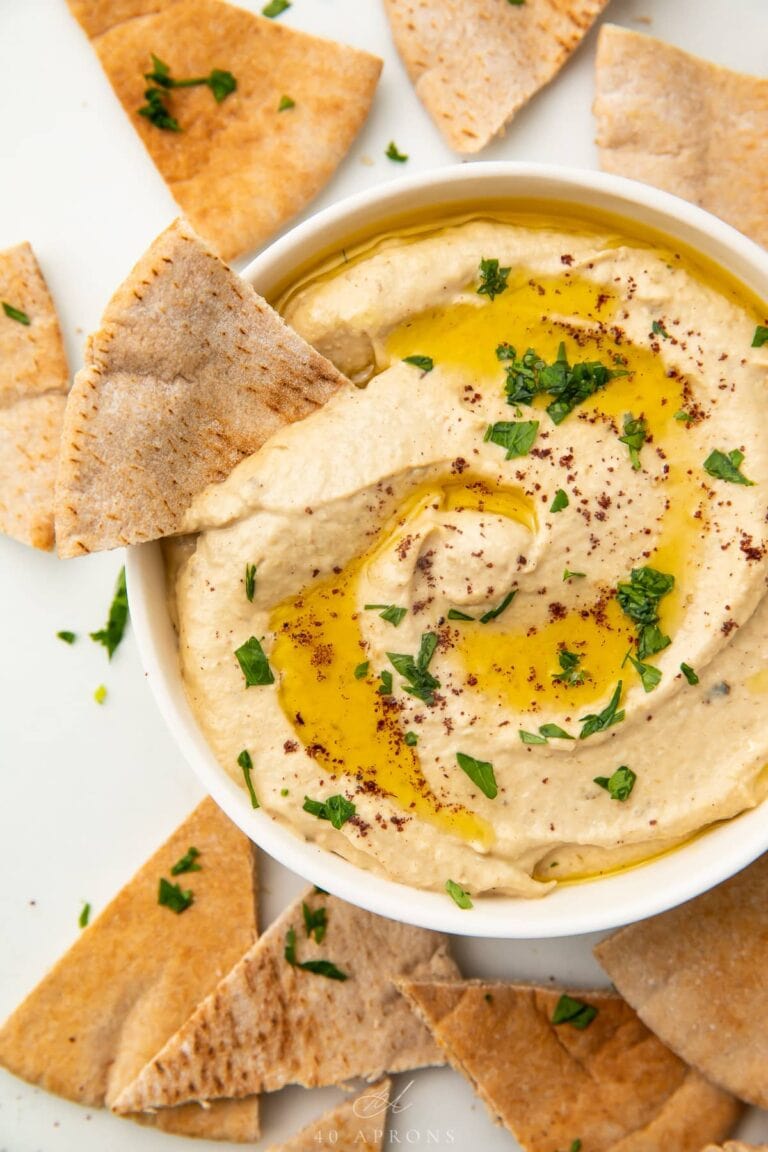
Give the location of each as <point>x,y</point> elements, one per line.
<point>190,372</point>
<point>684,124</point>
<point>475,63</point>
<point>268,1023</point>
<point>33,387</point>
<point>697,977</point>
<point>358,1123</point>
<point>136,973</point>
<point>239,169</point>
<point>612,1085</point>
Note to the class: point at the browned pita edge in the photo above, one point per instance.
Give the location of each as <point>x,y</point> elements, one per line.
<point>736,1146</point>
<point>475,63</point>
<point>613,1085</point>
<point>239,169</point>
<point>133,977</point>
<point>696,977</point>
<point>190,372</point>
<point>358,1123</point>
<point>33,384</point>
<point>269,1023</point>
<point>685,125</point>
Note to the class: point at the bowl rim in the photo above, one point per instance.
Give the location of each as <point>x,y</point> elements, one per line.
<point>601,903</point>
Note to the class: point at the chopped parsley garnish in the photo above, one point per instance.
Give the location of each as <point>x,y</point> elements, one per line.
<point>601,721</point>
<point>555,732</point>
<point>315,921</point>
<point>337,809</point>
<point>689,674</point>
<point>683,417</point>
<point>480,773</point>
<point>531,737</point>
<point>385,688</point>
<point>568,1010</point>
<point>67,637</point>
<point>517,437</point>
<point>425,363</point>
<point>245,762</point>
<point>635,435</point>
<point>420,682</point>
<point>760,337</point>
<point>568,384</point>
<point>361,671</point>
<point>411,739</point>
<point>649,675</point>
<point>85,915</point>
<point>112,632</point>
<point>275,8</point>
<point>16,314</point>
<point>392,153</point>
<point>568,575</point>
<point>522,382</point>
<point>221,83</point>
<point>100,694</point>
<point>455,614</point>
<point>570,673</point>
<point>560,501</point>
<point>187,862</point>
<point>618,786</point>
<point>286,102</point>
<point>389,612</point>
<point>639,599</point>
<point>727,466</point>
<point>254,664</point>
<point>517,3</point>
<point>658,329</point>
<point>317,967</point>
<point>172,896</point>
<point>458,894</point>
<point>493,279</point>
<point>575,1146</point>
<point>493,613</point>
<point>157,111</point>
<point>250,582</point>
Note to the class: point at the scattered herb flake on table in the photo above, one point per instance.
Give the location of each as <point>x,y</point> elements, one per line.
<point>100,694</point>
<point>67,637</point>
<point>275,8</point>
<point>85,915</point>
<point>114,629</point>
<point>392,153</point>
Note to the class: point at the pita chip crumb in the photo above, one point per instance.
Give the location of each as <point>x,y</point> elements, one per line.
<point>685,125</point>
<point>190,372</point>
<point>696,976</point>
<point>358,1123</point>
<point>33,385</point>
<point>238,164</point>
<point>598,1077</point>
<point>298,1011</point>
<point>134,975</point>
<point>475,63</point>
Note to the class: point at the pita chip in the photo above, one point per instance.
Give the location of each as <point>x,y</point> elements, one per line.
<point>358,1123</point>
<point>610,1084</point>
<point>270,1022</point>
<point>190,372</point>
<point>736,1146</point>
<point>239,167</point>
<point>696,976</point>
<point>33,385</point>
<point>685,125</point>
<point>475,63</point>
<point>133,977</point>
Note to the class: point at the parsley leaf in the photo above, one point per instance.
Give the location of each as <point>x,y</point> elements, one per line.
<point>517,437</point>
<point>554,732</point>
<point>172,896</point>
<point>426,363</point>
<point>254,664</point>
<point>67,637</point>
<point>318,967</point>
<point>570,673</point>
<point>493,279</point>
<point>761,336</point>
<point>420,682</point>
<point>286,102</point>
<point>568,1010</point>
<point>568,575</point>
<point>658,329</point>
<point>649,675</point>
<point>389,612</point>
<point>85,915</point>
<point>157,112</point>
<point>250,582</point>
<point>480,773</point>
<point>16,314</point>
<point>560,501</point>
<point>187,862</point>
<point>531,737</point>
<point>493,613</point>
<point>727,466</point>
<point>683,417</point>
<point>639,599</point>
<point>689,674</point>
<point>619,786</point>
<point>455,614</point>
<point>458,894</point>
<point>411,739</point>
<point>221,84</point>
<point>393,154</point>
<point>523,373</point>
<point>337,809</point>
<point>112,632</point>
<point>635,435</point>
<point>385,688</point>
<point>275,8</point>
<point>245,762</point>
<point>315,921</point>
<point>568,384</point>
<point>361,671</point>
<point>601,721</point>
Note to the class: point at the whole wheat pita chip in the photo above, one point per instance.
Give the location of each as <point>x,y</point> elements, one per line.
<point>33,386</point>
<point>133,977</point>
<point>241,168</point>
<point>475,63</point>
<point>190,372</point>
<point>685,125</point>
<point>358,1123</point>
<point>696,976</point>
<point>270,1023</point>
<point>98,16</point>
<point>612,1085</point>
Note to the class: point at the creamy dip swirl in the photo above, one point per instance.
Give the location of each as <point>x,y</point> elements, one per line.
<point>401,495</point>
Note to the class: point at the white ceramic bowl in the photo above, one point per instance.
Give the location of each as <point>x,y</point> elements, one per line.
<point>601,903</point>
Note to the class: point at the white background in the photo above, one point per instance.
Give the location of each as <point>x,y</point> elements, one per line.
<point>87,792</point>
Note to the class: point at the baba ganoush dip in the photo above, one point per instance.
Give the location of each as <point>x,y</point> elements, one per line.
<point>497,614</point>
